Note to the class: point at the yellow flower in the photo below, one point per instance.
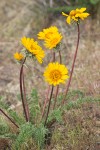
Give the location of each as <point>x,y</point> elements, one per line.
<point>47,33</point>
<point>76,15</point>
<point>18,56</point>
<point>56,73</point>
<point>53,41</point>
<point>80,13</point>
<point>51,37</point>
<point>33,48</point>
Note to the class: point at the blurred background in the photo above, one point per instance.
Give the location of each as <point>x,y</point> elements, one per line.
<point>26,18</point>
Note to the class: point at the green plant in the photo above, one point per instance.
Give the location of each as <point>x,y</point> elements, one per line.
<point>37,120</point>
<point>55,114</point>
<point>3,104</point>
<point>25,133</point>
<point>35,133</point>
<point>34,106</point>
<point>4,128</point>
<point>39,135</point>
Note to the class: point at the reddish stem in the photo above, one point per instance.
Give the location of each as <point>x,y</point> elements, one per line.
<point>60,57</point>
<point>73,65</point>
<point>49,105</point>
<point>24,91</point>
<point>9,118</point>
<point>55,99</point>
<point>21,90</point>
<point>46,100</point>
<point>57,89</point>
<point>53,56</point>
<point>48,90</point>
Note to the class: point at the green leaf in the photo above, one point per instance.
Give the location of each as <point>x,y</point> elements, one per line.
<point>34,106</point>
<point>3,104</point>
<point>25,133</point>
<point>39,135</point>
<point>16,117</point>
<point>55,114</point>
<point>4,128</point>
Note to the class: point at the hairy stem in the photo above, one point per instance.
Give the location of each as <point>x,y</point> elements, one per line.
<point>9,118</point>
<point>48,90</point>
<point>45,102</point>
<point>24,91</point>
<point>57,89</point>
<point>53,60</point>
<point>60,58</point>
<point>21,90</point>
<point>73,65</point>
<point>49,105</point>
<point>55,99</point>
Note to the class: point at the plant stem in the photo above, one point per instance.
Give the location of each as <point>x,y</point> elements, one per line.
<point>21,90</point>
<point>48,90</point>
<point>24,91</point>
<point>55,99</point>
<point>73,65</point>
<point>9,118</point>
<point>45,102</point>
<point>53,56</point>
<point>49,105</point>
<point>57,90</point>
<point>60,57</point>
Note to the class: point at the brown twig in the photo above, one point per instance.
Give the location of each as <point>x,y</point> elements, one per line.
<point>73,65</point>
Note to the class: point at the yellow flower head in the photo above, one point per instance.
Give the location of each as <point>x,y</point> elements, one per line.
<point>18,56</point>
<point>53,41</point>
<point>46,33</point>
<point>51,37</point>
<point>33,48</point>
<point>76,15</point>
<point>56,73</point>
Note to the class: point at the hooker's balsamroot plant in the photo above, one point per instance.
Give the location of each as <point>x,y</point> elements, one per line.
<point>55,73</point>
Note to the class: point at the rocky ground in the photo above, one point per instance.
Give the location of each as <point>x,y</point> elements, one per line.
<point>18,19</point>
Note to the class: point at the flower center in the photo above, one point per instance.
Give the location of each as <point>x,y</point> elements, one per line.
<point>33,50</point>
<point>32,47</point>
<point>55,75</point>
<point>73,13</point>
<point>48,34</point>
<point>54,41</point>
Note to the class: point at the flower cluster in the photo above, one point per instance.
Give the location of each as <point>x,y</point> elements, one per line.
<point>32,49</point>
<point>76,15</point>
<point>54,73</point>
<point>51,37</point>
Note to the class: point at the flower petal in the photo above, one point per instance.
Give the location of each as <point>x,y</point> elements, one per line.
<point>64,14</point>
<point>82,9</point>
<point>68,19</point>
